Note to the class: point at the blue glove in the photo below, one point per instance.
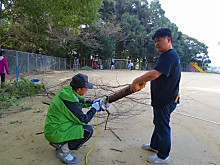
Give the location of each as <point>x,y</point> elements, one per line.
<point>96,105</point>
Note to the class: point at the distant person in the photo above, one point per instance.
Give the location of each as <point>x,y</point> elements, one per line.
<point>3,67</point>
<point>112,65</point>
<point>95,65</point>
<point>165,78</point>
<point>101,65</point>
<point>66,126</point>
<point>131,66</point>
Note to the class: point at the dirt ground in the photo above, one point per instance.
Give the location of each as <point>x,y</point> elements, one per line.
<point>195,123</point>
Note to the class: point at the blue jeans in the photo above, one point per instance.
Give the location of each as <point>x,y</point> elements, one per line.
<point>77,143</point>
<point>161,138</point>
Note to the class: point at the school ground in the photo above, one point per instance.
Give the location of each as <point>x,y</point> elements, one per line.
<point>195,123</point>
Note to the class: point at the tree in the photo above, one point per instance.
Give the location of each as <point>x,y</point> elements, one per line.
<point>196,51</point>
<point>134,43</point>
<point>61,13</point>
<point>44,26</point>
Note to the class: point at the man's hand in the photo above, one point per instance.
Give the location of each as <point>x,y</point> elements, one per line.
<point>96,105</point>
<point>8,73</point>
<point>135,87</point>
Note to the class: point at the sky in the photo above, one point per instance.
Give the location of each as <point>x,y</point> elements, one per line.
<point>199,19</point>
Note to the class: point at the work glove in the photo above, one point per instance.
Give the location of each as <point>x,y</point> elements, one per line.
<point>96,105</point>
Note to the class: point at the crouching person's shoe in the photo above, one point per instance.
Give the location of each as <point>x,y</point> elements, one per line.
<point>155,159</point>
<point>66,157</point>
<point>63,154</point>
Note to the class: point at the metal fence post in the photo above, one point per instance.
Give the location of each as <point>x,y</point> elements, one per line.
<point>59,63</point>
<point>17,67</point>
<point>44,62</point>
<point>28,63</point>
<point>50,62</point>
<point>36,61</point>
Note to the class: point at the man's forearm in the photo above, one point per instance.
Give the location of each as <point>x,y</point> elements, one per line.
<point>149,76</point>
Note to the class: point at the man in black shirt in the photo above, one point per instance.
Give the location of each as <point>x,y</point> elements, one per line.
<point>165,78</point>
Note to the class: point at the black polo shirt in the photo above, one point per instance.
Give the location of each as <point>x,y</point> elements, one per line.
<point>165,88</point>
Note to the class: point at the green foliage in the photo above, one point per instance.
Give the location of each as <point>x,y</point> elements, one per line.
<point>195,51</point>
<point>135,43</point>
<point>85,68</point>
<point>44,27</point>
<point>62,13</point>
<point>14,91</point>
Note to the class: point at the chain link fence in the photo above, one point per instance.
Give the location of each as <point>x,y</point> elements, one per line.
<point>24,62</point>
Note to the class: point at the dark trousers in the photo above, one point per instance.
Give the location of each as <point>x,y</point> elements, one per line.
<point>2,78</point>
<point>76,144</point>
<point>161,138</point>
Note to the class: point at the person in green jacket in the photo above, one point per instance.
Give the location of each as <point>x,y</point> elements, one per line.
<point>66,126</point>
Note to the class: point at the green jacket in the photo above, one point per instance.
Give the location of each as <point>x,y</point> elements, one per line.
<point>61,124</point>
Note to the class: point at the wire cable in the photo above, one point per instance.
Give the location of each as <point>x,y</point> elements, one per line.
<point>96,137</point>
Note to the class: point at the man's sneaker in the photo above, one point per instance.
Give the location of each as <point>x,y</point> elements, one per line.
<point>148,147</point>
<point>56,145</point>
<point>155,159</point>
<point>66,157</point>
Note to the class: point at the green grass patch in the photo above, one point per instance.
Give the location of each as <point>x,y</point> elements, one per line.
<point>85,68</point>
<point>13,91</point>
